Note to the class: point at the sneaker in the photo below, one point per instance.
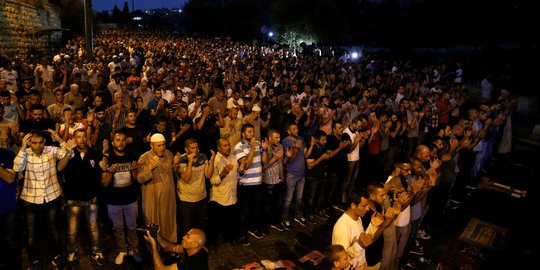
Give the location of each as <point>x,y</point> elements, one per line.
<point>264,231</point>
<point>286,225</point>
<point>136,256</point>
<point>58,262</point>
<point>324,213</point>
<point>244,241</point>
<point>278,227</point>
<point>120,258</point>
<point>338,207</point>
<point>471,187</point>
<point>35,265</point>
<point>302,221</point>
<point>311,220</point>
<point>423,234</point>
<point>418,251</point>
<point>72,257</point>
<point>454,201</point>
<point>257,234</point>
<point>98,257</point>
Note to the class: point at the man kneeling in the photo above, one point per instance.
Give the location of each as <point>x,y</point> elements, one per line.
<point>193,253</point>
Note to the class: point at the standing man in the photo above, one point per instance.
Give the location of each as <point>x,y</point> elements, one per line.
<point>223,211</point>
<point>121,197</point>
<point>273,179</point>
<point>250,189</point>
<point>81,189</point>
<point>156,174</point>
<point>295,165</point>
<point>191,188</point>
<point>41,191</point>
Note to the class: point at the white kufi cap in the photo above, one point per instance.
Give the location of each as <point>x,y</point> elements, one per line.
<point>158,137</point>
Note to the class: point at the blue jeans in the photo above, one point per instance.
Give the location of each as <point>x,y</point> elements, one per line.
<point>117,213</point>
<point>73,213</point>
<point>295,188</point>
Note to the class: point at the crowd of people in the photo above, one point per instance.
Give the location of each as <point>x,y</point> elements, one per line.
<point>212,138</point>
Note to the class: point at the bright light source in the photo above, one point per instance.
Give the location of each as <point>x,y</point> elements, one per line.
<point>137,18</point>
<point>354,55</point>
<point>271,34</point>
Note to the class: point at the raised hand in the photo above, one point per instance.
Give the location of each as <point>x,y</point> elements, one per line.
<point>26,141</point>
<point>289,152</point>
<point>71,144</point>
<point>176,158</point>
<point>264,143</point>
<point>253,143</point>
<point>154,162</point>
<point>191,157</point>
<point>278,154</point>
<point>365,239</point>
<point>377,219</point>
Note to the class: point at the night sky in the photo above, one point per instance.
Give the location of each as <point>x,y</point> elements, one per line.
<point>100,5</point>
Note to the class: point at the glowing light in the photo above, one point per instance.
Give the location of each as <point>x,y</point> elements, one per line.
<point>271,34</point>
<point>354,55</point>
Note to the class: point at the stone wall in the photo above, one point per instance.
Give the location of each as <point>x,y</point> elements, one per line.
<point>20,19</point>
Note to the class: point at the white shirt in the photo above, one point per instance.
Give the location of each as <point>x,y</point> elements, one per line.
<point>346,232</point>
<point>355,154</point>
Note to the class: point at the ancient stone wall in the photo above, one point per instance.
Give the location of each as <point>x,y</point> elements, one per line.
<point>19,21</point>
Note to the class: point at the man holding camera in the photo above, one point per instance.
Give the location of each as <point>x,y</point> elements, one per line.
<point>194,254</point>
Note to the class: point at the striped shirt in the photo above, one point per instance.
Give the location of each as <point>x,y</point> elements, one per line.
<point>40,178</point>
<point>253,175</point>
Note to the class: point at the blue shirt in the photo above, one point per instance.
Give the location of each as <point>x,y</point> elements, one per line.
<point>8,192</point>
<point>297,166</point>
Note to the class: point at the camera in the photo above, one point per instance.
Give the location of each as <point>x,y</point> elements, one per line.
<point>152,228</point>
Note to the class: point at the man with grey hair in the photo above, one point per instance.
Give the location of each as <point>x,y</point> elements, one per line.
<point>73,98</point>
<point>156,175</point>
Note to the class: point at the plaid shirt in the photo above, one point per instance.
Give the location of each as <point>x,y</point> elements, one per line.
<point>432,115</point>
<point>40,179</point>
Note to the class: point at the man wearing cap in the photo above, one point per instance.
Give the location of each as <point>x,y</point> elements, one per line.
<point>156,174</point>
<point>254,118</point>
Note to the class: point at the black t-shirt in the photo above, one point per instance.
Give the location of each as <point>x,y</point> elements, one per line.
<point>338,163</point>
<point>197,261</point>
<point>82,176</point>
<point>177,124</point>
<point>122,189</point>
<point>319,169</point>
<point>137,147</point>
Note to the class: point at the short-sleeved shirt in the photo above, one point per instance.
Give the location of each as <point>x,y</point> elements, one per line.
<point>274,173</point>
<point>297,166</point>
<point>195,190</point>
<point>121,190</point>
<point>197,261</point>
<point>253,175</point>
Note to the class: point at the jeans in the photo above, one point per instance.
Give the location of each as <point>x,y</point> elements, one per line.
<point>73,212</point>
<point>36,216</point>
<point>329,194</point>
<point>117,213</point>
<point>10,254</point>
<point>249,203</point>
<point>274,198</point>
<point>347,186</point>
<point>295,188</point>
<point>314,194</point>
